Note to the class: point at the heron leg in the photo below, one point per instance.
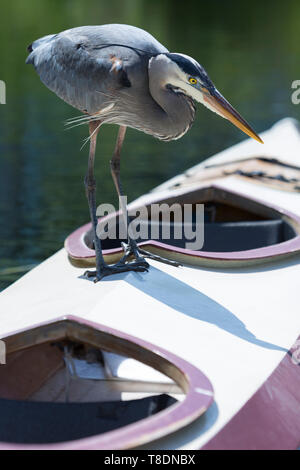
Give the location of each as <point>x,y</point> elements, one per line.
<point>90,188</point>
<point>131,249</point>
<point>115,165</point>
<point>102,268</point>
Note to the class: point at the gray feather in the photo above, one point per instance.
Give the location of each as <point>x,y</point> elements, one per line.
<point>75,65</point>
<point>104,71</point>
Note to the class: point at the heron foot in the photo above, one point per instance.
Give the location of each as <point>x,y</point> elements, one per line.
<point>139,254</point>
<point>137,266</point>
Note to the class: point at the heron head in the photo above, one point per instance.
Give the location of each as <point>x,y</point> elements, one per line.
<point>187,75</point>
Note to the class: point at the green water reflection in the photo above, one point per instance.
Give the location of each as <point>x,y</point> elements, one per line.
<point>250,49</point>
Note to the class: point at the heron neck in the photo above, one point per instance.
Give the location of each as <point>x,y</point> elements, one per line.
<point>178,109</point>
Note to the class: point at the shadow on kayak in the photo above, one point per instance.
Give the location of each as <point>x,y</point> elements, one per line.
<point>189,301</point>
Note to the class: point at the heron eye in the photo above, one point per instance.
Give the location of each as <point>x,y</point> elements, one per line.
<point>192,81</point>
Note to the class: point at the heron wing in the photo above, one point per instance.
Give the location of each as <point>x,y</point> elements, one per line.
<point>87,66</point>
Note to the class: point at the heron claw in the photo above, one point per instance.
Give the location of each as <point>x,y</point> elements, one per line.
<point>135,252</point>
<point>89,273</point>
<point>137,266</point>
<point>149,255</point>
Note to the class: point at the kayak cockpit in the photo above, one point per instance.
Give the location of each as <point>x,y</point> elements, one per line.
<point>62,392</point>
<point>230,228</point>
<point>70,380</point>
<point>226,228</point>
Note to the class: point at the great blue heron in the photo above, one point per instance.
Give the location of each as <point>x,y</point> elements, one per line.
<point>120,74</point>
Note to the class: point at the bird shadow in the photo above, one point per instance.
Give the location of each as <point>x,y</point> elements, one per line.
<point>185,299</point>
<point>189,301</point>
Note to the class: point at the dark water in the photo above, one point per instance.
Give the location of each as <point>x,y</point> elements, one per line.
<point>250,49</point>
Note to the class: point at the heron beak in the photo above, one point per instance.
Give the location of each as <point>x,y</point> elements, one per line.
<point>215,100</point>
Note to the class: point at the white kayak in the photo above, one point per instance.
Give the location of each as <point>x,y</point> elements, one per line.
<point>219,335</point>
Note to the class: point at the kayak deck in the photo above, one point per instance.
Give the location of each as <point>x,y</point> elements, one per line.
<point>235,324</point>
